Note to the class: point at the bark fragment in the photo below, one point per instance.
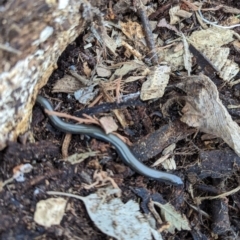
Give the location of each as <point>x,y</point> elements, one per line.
<point>39,39</point>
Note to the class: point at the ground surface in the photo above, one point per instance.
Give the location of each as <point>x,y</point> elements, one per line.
<point>50,172</point>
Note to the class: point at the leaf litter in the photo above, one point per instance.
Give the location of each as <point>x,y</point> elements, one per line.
<point>201,106</point>
<point>113,217</point>
<point>205,111</point>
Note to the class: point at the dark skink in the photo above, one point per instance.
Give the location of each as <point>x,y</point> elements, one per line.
<point>121,148</point>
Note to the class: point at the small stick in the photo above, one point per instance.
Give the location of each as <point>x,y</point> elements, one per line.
<point>10,49</point>
<point>148,33</point>
<point>65,145</point>
<point>89,119</point>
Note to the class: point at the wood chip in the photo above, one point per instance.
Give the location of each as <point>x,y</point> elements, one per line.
<point>108,124</point>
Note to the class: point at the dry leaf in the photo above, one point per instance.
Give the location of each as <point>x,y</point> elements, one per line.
<point>160,160</point>
<point>169,164</point>
<point>169,149</point>
<point>231,10</point>
<point>110,44</point>
<point>67,84</point>
<point>163,23</point>
<point>133,78</point>
<point>127,67</point>
<point>236,45</point>
<point>229,70</point>
<point>218,56</point>
<point>167,161</point>
<point>114,218</point>
<point>174,59</point>
<point>232,20</point>
<point>177,221</point>
<point>205,111</point>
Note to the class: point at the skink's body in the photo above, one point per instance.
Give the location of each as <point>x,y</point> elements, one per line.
<point>122,149</point>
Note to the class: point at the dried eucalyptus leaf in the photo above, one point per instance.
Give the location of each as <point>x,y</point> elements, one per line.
<point>128,67</point>
<point>205,111</point>
<point>67,84</point>
<point>176,219</point>
<point>114,218</point>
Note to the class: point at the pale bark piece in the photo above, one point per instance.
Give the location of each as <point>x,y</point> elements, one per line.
<point>218,56</point>
<point>38,32</point>
<point>108,124</point>
<point>156,83</point>
<point>102,71</point>
<point>212,37</point>
<point>229,71</point>
<point>173,58</point>
<point>205,111</point>
<point>50,211</point>
<point>210,42</point>
<point>183,14</point>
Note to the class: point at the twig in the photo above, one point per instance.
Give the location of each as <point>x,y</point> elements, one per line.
<point>83,80</point>
<point>95,101</point>
<point>101,179</point>
<point>148,33</point>
<point>65,145</point>
<point>154,212</point>
<point>79,120</point>
<point>118,88</point>
<point>162,9</point>
<point>216,25</point>
<point>223,195</point>
<point>132,50</point>
<point>10,49</point>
